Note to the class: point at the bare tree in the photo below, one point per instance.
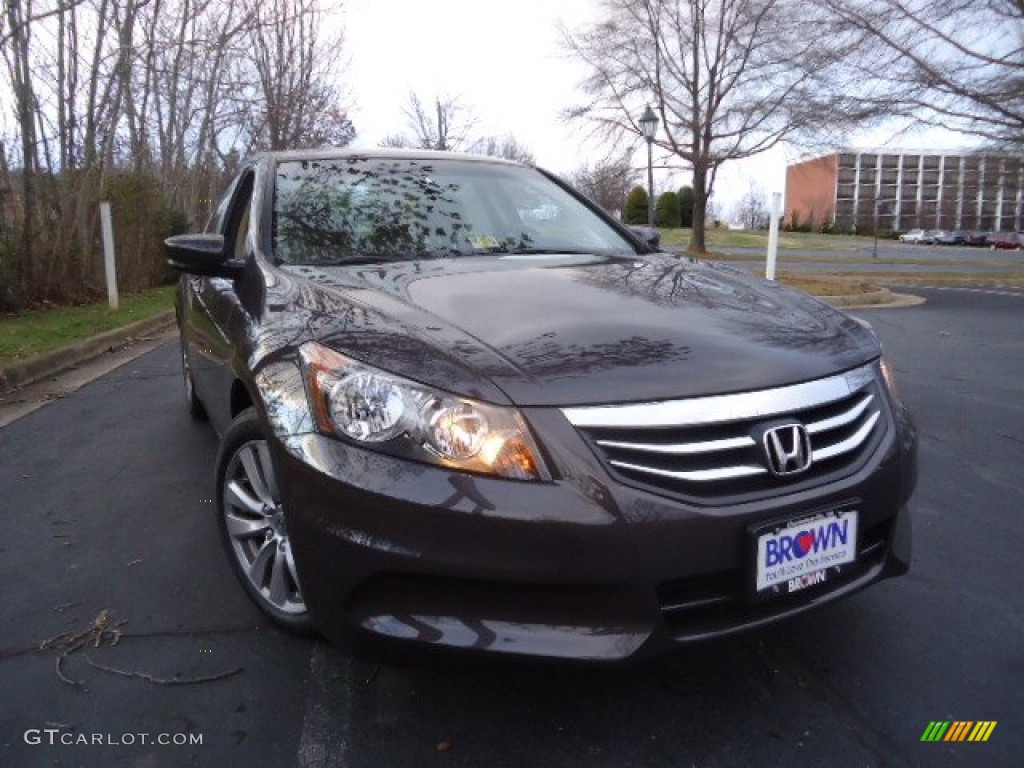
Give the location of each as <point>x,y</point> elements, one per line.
<point>728,79</point>
<point>9,28</point>
<point>297,67</point>
<point>18,66</point>
<point>956,64</point>
<point>150,102</point>
<point>752,209</point>
<point>507,146</point>
<point>396,141</point>
<point>606,182</point>
<point>65,118</point>
<point>445,124</point>
<point>448,124</point>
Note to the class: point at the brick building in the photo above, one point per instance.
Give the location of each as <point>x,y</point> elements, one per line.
<point>949,191</point>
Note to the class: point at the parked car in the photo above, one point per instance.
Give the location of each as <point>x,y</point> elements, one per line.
<point>977,238</point>
<point>959,236</point>
<point>915,236</point>
<point>1005,241</point>
<point>442,425</point>
<point>649,235</point>
<point>946,237</point>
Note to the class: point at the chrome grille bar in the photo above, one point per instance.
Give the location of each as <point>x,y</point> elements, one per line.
<point>682,449</point>
<point>841,420</point>
<point>723,408</point>
<point>849,444</point>
<point>716,446</point>
<point>695,475</point>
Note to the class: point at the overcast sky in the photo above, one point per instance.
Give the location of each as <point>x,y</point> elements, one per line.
<point>506,62</point>
<point>503,61</point>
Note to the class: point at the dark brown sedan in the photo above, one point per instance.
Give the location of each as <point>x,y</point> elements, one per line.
<point>461,407</point>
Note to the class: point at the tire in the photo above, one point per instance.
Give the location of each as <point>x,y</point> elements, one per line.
<point>253,526</point>
<point>195,405</point>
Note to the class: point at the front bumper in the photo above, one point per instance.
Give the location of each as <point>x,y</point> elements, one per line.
<point>581,568</point>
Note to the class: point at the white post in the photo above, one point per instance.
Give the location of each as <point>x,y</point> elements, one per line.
<point>108,254</point>
<point>773,236</point>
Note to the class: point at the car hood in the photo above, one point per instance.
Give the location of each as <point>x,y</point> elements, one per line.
<point>573,330</point>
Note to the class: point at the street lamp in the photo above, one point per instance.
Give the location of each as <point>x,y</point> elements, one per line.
<point>649,126</point>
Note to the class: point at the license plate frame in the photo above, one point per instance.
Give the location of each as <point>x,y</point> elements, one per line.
<point>795,563</point>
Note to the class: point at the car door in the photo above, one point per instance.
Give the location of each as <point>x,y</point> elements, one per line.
<point>215,307</point>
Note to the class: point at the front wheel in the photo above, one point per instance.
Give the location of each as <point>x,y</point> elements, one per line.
<point>253,524</point>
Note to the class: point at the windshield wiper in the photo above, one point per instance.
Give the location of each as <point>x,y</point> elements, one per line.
<point>350,261</point>
<point>547,252</point>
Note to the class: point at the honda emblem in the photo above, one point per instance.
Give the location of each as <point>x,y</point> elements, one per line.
<point>788,449</point>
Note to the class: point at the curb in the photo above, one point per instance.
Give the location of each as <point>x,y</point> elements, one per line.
<point>881,296</point>
<point>880,299</point>
<point>42,366</point>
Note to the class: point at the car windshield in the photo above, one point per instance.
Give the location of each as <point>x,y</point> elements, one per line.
<point>359,209</point>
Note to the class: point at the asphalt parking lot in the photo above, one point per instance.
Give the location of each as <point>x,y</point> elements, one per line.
<point>122,623</point>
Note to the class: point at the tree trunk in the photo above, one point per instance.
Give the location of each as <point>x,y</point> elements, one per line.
<point>17,22</point>
<point>700,208</point>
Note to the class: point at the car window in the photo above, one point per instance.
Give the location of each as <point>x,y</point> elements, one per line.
<point>337,211</point>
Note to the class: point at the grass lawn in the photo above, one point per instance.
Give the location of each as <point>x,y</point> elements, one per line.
<point>822,286</point>
<point>742,238</point>
<point>44,330</point>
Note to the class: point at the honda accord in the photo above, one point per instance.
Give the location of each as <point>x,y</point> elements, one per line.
<point>460,406</point>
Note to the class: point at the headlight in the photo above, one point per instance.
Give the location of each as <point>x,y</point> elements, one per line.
<point>401,417</point>
<point>889,378</point>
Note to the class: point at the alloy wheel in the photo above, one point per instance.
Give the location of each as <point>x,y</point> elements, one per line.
<point>257,532</point>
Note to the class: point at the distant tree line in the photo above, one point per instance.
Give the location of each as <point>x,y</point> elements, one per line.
<point>448,125</point>
<point>151,104</point>
<point>671,208</point>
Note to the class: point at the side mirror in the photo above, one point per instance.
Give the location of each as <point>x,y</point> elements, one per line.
<point>653,238</point>
<point>650,235</point>
<point>201,255</point>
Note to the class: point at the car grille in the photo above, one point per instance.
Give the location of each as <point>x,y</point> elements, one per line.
<point>713,449</point>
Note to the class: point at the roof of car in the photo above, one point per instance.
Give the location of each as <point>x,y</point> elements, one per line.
<point>332,153</point>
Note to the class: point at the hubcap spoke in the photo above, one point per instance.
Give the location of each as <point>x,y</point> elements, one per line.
<point>239,497</point>
<point>267,466</point>
<point>278,584</point>
<point>258,568</point>
<point>245,527</point>
<point>290,561</point>
<point>254,474</point>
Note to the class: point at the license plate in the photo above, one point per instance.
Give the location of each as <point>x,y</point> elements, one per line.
<point>803,553</point>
